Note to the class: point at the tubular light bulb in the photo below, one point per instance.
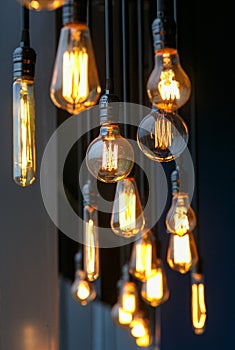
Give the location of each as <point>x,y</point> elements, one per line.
<point>162,136</point>
<point>121,317</point>
<point>75,84</point>
<point>82,290</point>
<point>182,252</point>
<point>155,290</point>
<point>39,5</point>
<point>139,326</point>
<point>143,258</point>
<point>24,132</point>
<point>127,218</point>
<point>91,248</point>
<point>168,86</point>
<point>180,218</point>
<point>198,304</point>
<point>110,156</point>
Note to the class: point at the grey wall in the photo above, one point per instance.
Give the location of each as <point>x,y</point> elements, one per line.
<point>28,239</point>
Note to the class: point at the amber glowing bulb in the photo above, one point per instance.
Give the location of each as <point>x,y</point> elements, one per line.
<point>198,302</point>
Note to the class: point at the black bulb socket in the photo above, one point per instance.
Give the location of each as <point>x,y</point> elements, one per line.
<point>164,31</point>
<point>24,60</point>
<point>108,108</point>
<point>74,11</point>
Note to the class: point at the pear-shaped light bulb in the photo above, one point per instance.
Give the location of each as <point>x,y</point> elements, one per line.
<point>198,303</point>
<point>180,218</point>
<point>82,290</point>
<point>143,257</point>
<point>39,5</point>
<point>155,290</point>
<point>127,218</point>
<point>182,253</point>
<point>162,136</point>
<point>110,157</point>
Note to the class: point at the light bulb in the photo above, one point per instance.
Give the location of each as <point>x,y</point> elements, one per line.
<point>82,290</point>
<point>127,218</point>
<point>121,317</point>
<point>39,5</point>
<point>180,218</point>
<point>143,257</point>
<point>75,84</point>
<point>168,86</point>
<point>198,304</point>
<point>155,290</point>
<point>110,157</point>
<point>182,252</point>
<point>128,297</point>
<point>91,248</point>
<point>145,341</point>
<point>139,326</point>
<point>162,136</point>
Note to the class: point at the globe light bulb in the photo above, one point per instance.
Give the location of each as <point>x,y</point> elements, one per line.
<point>109,157</point>
<point>139,326</point>
<point>155,290</point>
<point>127,218</point>
<point>75,84</point>
<point>82,290</point>
<point>182,253</point>
<point>180,218</point>
<point>24,145</point>
<point>162,136</point>
<point>198,304</point>
<point>168,86</point>
<point>143,257</point>
<point>39,5</point>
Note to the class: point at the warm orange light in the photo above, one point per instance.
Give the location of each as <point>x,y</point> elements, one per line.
<point>182,250</point>
<point>163,133</point>
<point>139,326</point>
<point>124,317</point>
<point>198,307</point>
<point>144,341</point>
<point>110,156</point>
<point>83,290</point>
<point>127,210</point>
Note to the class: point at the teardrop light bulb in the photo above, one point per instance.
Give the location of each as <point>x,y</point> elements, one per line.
<point>127,218</point>
<point>180,218</point>
<point>75,84</point>
<point>182,253</point>
<point>39,5</point>
<point>162,136</point>
<point>82,290</point>
<point>143,257</point>
<point>155,290</point>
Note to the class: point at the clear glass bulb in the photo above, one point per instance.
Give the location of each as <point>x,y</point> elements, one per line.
<point>91,248</point>
<point>39,5</point>
<point>121,317</point>
<point>127,218</point>
<point>143,257</point>
<point>168,86</point>
<point>82,290</point>
<point>182,253</point>
<point>145,341</point>
<point>75,83</point>
<point>155,290</point>
<point>110,157</point>
<point>24,148</point>
<point>180,218</point>
<point>139,326</point>
<point>198,304</point>
<point>162,136</point>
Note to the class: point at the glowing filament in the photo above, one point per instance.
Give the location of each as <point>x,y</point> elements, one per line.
<point>127,210</point>
<point>25,131</point>
<point>83,291</point>
<point>182,253</point>
<point>163,133</point>
<point>90,247</point>
<point>129,303</point>
<point>181,222</point>
<point>110,157</point>
<point>198,307</point>
<point>144,258</point>
<point>168,87</point>
<point>75,76</point>
<point>124,317</point>
<point>154,287</point>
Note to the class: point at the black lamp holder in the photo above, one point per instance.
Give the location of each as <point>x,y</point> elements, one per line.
<point>74,11</point>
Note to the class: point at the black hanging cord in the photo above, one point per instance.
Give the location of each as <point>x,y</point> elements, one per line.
<point>166,7</point>
<point>108,44</point>
<point>25,40</point>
